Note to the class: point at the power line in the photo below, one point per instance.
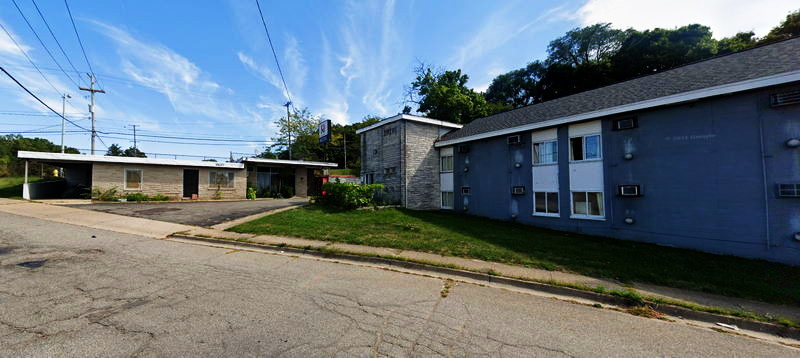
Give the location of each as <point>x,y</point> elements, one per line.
<point>42,42</point>
<point>39,99</point>
<point>29,59</point>
<point>269,39</point>
<point>83,50</point>
<point>56,39</point>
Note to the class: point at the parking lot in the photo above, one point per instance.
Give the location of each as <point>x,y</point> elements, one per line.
<point>201,213</point>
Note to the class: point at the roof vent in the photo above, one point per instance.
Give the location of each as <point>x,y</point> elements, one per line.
<point>784,98</point>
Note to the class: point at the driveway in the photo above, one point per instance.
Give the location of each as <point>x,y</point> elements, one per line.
<point>197,213</point>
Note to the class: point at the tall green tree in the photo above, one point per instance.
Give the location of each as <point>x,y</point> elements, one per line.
<point>444,95</point>
<point>11,165</point>
<point>790,27</point>
<point>584,45</point>
<point>114,150</point>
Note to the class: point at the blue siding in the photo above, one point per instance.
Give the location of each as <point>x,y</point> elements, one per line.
<point>700,168</point>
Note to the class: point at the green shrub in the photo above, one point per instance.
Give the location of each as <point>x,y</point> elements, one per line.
<point>105,195</point>
<point>158,197</point>
<point>287,192</point>
<point>137,197</point>
<point>251,193</point>
<point>348,195</point>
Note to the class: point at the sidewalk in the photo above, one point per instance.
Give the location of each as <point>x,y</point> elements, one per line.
<point>159,229</point>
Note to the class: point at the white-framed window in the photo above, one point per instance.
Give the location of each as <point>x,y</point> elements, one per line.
<point>220,179</point>
<point>133,179</point>
<point>446,163</point>
<point>447,200</point>
<point>369,178</point>
<point>586,147</point>
<point>545,152</point>
<point>545,203</point>
<point>588,204</point>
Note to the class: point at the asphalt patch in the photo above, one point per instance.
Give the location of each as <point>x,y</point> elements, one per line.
<point>32,264</point>
<point>155,211</point>
<point>4,251</point>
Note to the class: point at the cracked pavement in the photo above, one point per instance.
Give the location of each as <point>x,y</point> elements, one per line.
<point>126,295</point>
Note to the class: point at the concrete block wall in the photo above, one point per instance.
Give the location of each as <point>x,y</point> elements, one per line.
<point>422,166</point>
<point>165,180</point>
<point>381,148</point>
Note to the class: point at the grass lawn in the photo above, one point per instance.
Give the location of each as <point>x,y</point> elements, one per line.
<point>475,237</point>
<point>11,187</point>
<point>349,171</point>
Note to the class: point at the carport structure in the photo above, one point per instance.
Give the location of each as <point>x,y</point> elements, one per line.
<point>274,174</point>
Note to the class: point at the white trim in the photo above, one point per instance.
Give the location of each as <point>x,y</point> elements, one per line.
<point>781,78</point>
<point>62,157</point>
<point>291,162</point>
<point>213,186</point>
<point>410,118</point>
<point>586,216</point>
<point>441,201</point>
<point>546,213</point>
<point>125,179</point>
<point>583,145</point>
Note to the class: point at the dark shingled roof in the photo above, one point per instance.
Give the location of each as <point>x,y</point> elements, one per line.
<point>750,64</point>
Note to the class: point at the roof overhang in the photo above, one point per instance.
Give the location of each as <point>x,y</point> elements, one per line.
<point>762,82</point>
<point>81,158</point>
<point>409,117</point>
<point>298,163</point>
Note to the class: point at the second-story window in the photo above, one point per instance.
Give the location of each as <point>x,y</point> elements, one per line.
<point>545,152</point>
<point>446,163</point>
<point>585,148</point>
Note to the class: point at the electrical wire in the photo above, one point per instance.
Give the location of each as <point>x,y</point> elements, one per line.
<point>56,39</point>
<point>8,33</point>
<point>46,49</point>
<point>83,50</point>
<point>39,99</point>
<point>269,39</point>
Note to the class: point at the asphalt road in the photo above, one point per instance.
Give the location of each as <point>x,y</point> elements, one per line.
<point>64,292</point>
<point>198,213</point>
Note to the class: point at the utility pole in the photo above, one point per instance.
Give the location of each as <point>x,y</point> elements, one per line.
<point>289,127</point>
<point>134,136</point>
<point>63,115</point>
<point>92,91</point>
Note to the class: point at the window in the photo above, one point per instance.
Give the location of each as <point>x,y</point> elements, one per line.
<point>789,190</point>
<point>390,171</point>
<point>584,148</point>
<point>389,131</point>
<point>446,163</point>
<point>447,200</point>
<point>545,203</point>
<point>219,179</point>
<point>369,178</point>
<point>587,204</point>
<point>545,152</point>
<point>133,179</point>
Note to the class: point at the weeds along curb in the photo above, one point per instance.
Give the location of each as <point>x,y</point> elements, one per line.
<point>606,298</point>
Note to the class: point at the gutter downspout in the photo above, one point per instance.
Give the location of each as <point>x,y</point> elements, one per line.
<point>764,177</point>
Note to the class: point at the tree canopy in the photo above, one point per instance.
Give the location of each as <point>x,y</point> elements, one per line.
<point>115,150</point>
<point>10,144</point>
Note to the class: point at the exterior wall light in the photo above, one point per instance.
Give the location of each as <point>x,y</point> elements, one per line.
<point>628,156</point>
<point>466,169</point>
<point>513,216</point>
<point>793,143</point>
<point>629,220</point>
<point>797,236</point>
<point>517,165</point>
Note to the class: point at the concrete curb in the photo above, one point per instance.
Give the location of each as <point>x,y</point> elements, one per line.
<point>675,311</point>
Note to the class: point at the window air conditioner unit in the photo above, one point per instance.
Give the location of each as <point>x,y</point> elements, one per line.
<point>463,149</point>
<point>629,190</point>
<point>784,98</point>
<point>518,190</point>
<point>514,139</point>
<point>626,123</point>
<point>465,190</point>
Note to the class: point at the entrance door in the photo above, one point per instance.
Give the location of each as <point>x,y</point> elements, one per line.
<point>191,182</point>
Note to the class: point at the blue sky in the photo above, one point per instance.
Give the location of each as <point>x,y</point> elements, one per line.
<point>203,69</point>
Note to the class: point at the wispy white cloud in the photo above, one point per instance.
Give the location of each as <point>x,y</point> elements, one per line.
<point>725,17</point>
<point>188,89</point>
<point>334,98</point>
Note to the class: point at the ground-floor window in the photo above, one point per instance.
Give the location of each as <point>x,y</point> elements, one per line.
<point>220,179</point>
<point>587,204</point>
<point>369,178</point>
<point>545,203</point>
<point>447,200</point>
<point>133,179</point>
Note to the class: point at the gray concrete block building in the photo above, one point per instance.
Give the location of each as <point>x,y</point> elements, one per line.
<point>704,156</point>
<point>398,153</point>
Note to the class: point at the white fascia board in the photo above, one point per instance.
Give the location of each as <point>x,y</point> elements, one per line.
<point>762,82</point>
<point>409,117</point>
<point>65,157</point>
<point>291,162</point>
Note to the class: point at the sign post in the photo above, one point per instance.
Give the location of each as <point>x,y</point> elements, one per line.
<point>324,131</point>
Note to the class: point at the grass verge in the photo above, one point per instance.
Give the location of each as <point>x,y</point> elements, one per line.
<point>491,240</point>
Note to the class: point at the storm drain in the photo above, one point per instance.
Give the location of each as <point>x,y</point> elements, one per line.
<point>32,264</point>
